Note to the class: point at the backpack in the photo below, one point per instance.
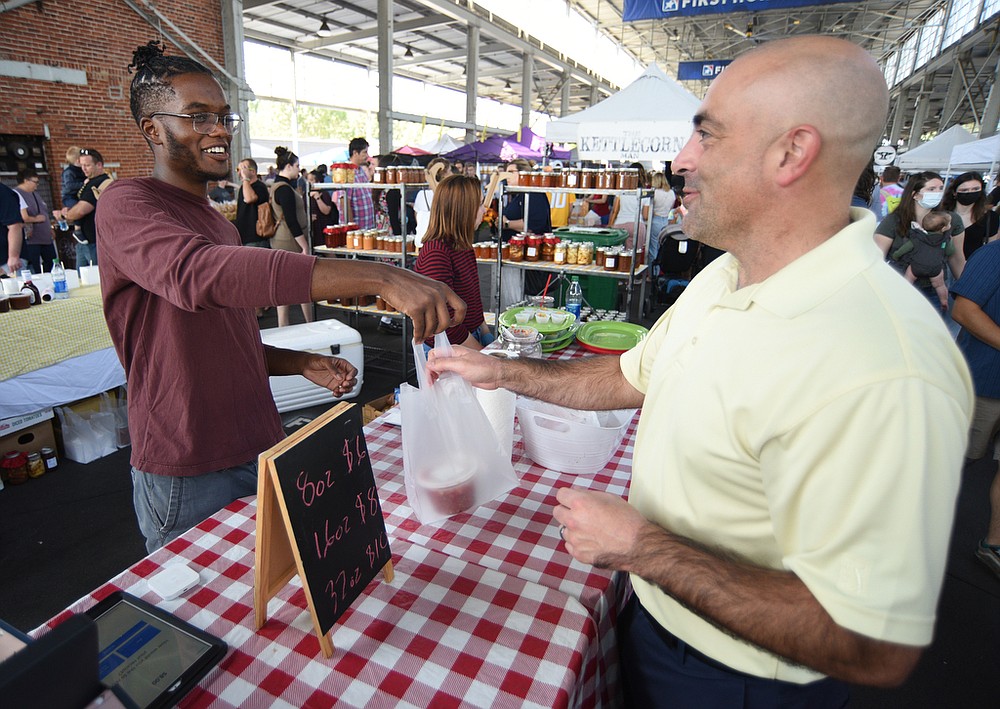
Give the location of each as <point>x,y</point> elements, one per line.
<point>267,225</point>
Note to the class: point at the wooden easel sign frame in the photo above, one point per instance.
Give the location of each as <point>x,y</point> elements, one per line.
<point>319,516</point>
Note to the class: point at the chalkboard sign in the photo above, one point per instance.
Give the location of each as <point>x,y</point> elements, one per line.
<point>322,480</point>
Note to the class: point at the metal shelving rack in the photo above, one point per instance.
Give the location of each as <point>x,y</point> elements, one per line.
<point>565,270</point>
<point>376,355</point>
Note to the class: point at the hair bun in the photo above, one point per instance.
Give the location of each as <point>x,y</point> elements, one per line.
<point>145,54</point>
<point>281,150</point>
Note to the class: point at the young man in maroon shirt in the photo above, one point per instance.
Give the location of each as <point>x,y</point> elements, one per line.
<point>179,298</point>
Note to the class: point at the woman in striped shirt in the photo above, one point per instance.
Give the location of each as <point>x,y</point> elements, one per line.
<point>446,253</point>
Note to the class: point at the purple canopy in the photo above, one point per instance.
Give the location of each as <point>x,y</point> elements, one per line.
<point>537,143</point>
<point>496,148</point>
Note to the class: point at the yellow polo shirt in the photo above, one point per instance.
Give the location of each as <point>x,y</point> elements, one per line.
<point>560,206</point>
<point>816,423</point>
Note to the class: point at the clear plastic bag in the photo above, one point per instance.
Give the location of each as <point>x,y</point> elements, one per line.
<point>87,437</point>
<point>452,461</point>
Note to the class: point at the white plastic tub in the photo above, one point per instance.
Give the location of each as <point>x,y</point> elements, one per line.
<point>571,441</point>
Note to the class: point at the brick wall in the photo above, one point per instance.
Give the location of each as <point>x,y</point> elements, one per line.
<point>97,37</point>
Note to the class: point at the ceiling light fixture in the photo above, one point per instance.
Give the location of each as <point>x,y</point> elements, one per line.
<point>324,30</point>
<point>409,52</point>
<point>506,85</point>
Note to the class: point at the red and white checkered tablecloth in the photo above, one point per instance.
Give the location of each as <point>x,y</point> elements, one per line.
<point>445,632</point>
<point>517,535</point>
<point>487,608</point>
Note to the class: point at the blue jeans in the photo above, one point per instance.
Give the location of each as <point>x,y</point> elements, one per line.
<point>660,670</point>
<point>86,254</point>
<point>655,227</point>
<point>167,506</point>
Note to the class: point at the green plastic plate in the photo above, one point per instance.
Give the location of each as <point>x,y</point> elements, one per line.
<point>607,336</point>
<point>507,319</point>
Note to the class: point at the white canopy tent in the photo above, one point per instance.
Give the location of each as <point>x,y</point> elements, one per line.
<point>934,154</point>
<point>444,144</point>
<point>650,119</point>
<point>983,155</point>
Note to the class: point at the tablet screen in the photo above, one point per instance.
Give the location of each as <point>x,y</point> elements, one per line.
<point>143,654</point>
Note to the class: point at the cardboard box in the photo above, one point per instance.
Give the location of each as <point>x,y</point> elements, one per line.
<point>376,407</point>
<point>17,423</point>
<point>31,439</point>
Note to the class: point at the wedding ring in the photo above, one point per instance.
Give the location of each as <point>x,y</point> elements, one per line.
<point>562,528</point>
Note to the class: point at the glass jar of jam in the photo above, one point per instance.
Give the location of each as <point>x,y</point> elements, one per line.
<point>532,247</point>
<point>330,237</point>
<point>14,468</point>
<point>50,458</point>
<point>625,261</point>
<point>600,255</point>
<point>549,247</point>
<point>516,248</point>
<point>491,250</point>
<point>611,260</point>
<point>551,178</point>
<point>379,175</point>
<point>588,178</point>
<point>505,252</point>
<point>368,240</point>
<point>585,254</point>
<point>391,175</point>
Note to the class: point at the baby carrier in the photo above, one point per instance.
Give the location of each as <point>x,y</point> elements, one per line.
<point>924,252</point>
<point>676,256</point>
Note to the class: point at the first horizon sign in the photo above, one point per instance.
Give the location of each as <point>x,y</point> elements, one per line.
<point>659,9</point>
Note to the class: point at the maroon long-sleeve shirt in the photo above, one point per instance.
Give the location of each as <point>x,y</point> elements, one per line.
<point>456,269</point>
<point>179,297</point>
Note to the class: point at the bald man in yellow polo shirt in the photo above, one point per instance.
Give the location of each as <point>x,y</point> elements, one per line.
<point>804,414</point>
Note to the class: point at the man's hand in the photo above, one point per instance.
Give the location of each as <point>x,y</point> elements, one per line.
<point>600,529</point>
<point>14,263</point>
<point>425,300</point>
<point>479,370</point>
<point>336,374</point>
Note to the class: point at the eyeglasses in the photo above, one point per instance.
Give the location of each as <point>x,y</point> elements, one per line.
<point>205,123</point>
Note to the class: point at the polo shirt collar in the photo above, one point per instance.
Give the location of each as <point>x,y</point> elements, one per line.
<point>814,276</point>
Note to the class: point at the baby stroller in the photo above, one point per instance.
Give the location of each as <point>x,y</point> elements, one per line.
<point>675,259</point>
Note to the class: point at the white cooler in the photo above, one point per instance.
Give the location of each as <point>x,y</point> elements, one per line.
<point>328,337</point>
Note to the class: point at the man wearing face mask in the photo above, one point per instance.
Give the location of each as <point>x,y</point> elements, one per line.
<point>923,194</point>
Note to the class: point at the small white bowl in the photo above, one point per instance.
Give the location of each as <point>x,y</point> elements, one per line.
<point>542,317</point>
<point>523,317</point>
<point>559,317</point>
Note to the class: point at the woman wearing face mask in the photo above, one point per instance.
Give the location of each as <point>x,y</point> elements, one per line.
<point>923,193</point>
<point>966,196</point>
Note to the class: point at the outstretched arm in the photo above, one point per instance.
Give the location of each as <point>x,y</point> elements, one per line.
<point>432,306</point>
<point>594,383</point>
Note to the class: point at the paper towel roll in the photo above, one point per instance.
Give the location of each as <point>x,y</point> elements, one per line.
<point>499,407</point>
